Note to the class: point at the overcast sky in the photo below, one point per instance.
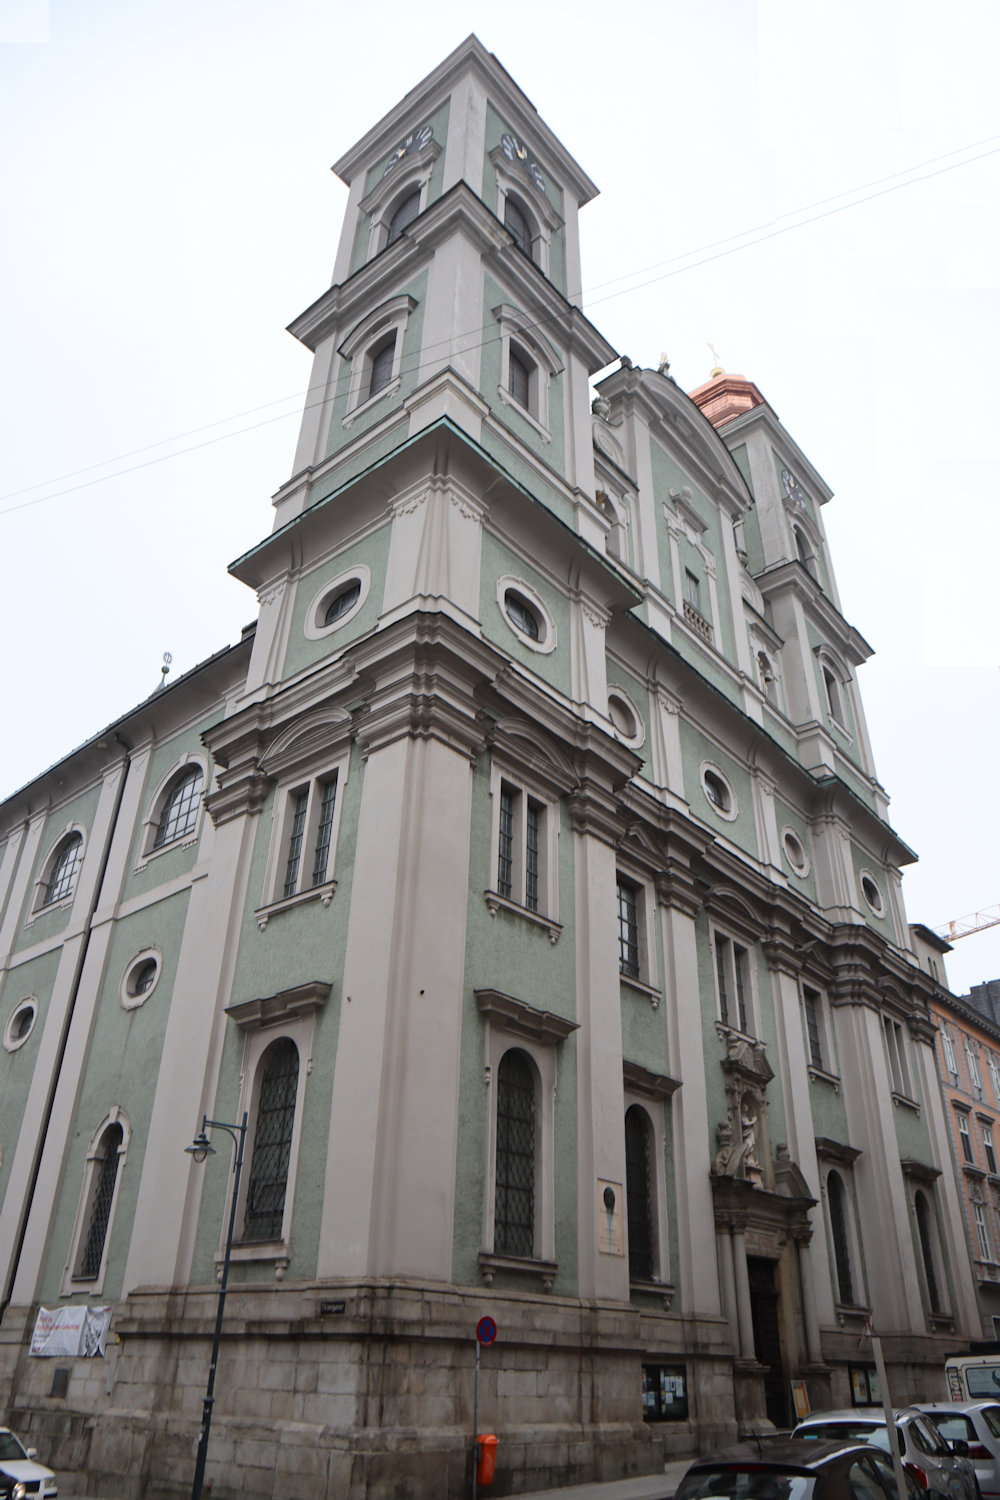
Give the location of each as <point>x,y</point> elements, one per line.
<point>168,209</point>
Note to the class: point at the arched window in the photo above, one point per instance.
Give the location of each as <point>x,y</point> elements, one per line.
<point>514,1220</point>
<point>639,1197</point>
<point>837,1196</point>
<point>103,1180</point>
<point>382,362</point>
<point>515,220</point>
<point>519,380</point>
<point>404,215</point>
<point>179,812</point>
<point>833,695</point>
<point>63,871</point>
<point>272,1142</point>
<point>923,1213</point>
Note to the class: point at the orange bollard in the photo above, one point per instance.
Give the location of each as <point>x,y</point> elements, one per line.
<point>487,1459</point>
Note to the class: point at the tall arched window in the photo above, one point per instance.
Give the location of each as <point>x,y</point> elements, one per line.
<point>382,362</point>
<point>63,870</point>
<point>272,1141</point>
<point>923,1213</point>
<point>403,216</point>
<point>103,1180</point>
<point>179,812</point>
<point>837,1197</point>
<point>515,220</point>
<point>514,1218</point>
<point>639,1195</point>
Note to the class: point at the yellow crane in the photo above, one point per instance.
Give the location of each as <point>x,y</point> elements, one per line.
<point>976,921</point>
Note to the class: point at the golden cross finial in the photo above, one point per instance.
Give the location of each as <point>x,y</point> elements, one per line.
<point>717,367</point>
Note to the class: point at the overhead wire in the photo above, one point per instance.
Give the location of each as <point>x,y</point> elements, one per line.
<point>458,342</point>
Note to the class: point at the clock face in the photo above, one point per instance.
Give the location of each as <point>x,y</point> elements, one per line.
<point>520,156</point>
<point>793,489</point>
<point>413,143</point>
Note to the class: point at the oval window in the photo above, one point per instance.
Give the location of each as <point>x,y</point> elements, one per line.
<point>717,792</point>
<point>622,716</point>
<point>342,602</point>
<point>20,1025</point>
<point>521,615</point>
<point>794,852</point>
<point>872,895</point>
<point>142,976</point>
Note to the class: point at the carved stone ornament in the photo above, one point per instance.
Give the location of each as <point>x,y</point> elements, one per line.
<point>742,1136</point>
<point>601,407</point>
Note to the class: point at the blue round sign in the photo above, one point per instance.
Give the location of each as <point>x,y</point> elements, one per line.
<point>486,1330</point>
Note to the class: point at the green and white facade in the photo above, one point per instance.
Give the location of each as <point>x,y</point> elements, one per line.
<point>523,872</point>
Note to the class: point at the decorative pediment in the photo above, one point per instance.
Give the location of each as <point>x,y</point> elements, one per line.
<point>306,742</point>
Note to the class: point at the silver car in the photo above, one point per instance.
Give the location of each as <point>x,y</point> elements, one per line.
<point>978,1422</point>
<point>940,1469</point>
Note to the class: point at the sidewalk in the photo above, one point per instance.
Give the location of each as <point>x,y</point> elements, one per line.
<point>642,1487</point>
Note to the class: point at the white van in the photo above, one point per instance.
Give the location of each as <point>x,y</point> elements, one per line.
<point>973,1377</point>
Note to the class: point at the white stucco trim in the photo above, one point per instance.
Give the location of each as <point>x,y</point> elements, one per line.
<point>314,628</point>
<point>638,738</point>
<point>731,811</point>
<point>154,809</point>
<point>548,638</point>
<point>127,999</point>
<point>10,1041</point>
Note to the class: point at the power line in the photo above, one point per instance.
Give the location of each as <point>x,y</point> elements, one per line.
<point>735,242</point>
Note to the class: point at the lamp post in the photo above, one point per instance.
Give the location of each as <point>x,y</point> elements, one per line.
<point>200,1148</point>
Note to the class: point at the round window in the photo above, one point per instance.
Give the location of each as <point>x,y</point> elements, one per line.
<point>717,791</point>
<point>522,616</point>
<point>139,979</point>
<point>622,717</point>
<point>794,852</point>
<point>872,894</point>
<point>142,976</point>
<point>342,602</point>
<point>20,1025</point>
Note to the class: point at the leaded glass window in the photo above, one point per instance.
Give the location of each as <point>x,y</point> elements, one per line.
<point>180,810</point>
<point>837,1198</point>
<point>64,871</point>
<point>639,1197</point>
<point>324,831</point>
<point>102,1194</point>
<point>514,1217</point>
<point>628,930</point>
<point>532,823</point>
<point>295,838</point>
<point>927,1250</point>
<point>505,854</point>
<point>272,1142</point>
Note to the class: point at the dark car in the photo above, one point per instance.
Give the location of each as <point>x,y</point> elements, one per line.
<point>794,1469</point>
<point>939,1467</point>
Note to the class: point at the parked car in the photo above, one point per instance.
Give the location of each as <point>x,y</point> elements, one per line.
<point>795,1469</point>
<point>940,1468</point>
<point>978,1422</point>
<point>18,1465</point>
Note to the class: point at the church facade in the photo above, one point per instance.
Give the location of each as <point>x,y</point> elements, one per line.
<point>523,876</point>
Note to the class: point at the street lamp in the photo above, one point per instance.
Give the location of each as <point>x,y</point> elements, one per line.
<point>200,1148</point>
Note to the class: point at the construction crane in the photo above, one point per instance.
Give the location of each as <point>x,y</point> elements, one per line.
<point>976,921</point>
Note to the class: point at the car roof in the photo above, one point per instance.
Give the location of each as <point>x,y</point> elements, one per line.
<point>933,1406</point>
<point>781,1453</point>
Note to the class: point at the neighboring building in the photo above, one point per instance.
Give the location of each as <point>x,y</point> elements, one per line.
<point>524,874</point>
<point>968,1056</point>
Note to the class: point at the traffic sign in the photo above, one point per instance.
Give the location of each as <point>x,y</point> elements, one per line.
<point>486,1330</point>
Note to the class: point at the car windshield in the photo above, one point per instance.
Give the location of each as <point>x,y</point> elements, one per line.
<point>10,1448</point>
<point>991,1416</point>
<point>847,1432</point>
<point>745,1482</point>
<point>953,1425</point>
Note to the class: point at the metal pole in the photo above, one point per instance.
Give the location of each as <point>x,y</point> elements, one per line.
<point>475,1426</point>
<point>890,1420</point>
<point>206,1412</point>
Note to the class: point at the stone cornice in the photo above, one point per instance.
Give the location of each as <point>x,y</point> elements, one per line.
<point>794,578</point>
<point>522,1019</point>
<point>280,1009</point>
<point>831,1150</point>
<point>639,1080</point>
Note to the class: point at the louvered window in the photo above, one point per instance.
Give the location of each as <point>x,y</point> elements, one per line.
<point>514,1218</point>
<point>272,1144</point>
<point>638,1190</point>
<point>102,1193</point>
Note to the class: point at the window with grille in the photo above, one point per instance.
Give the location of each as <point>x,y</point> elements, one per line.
<point>310,825</point>
<point>520,852</point>
<point>382,362</point>
<point>403,216</point>
<point>732,972</point>
<point>628,929</point>
<point>65,867</point>
<point>514,1214</point>
<point>811,1003</point>
<point>837,1200</point>
<point>103,1180</point>
<point>639,1195</point>
<point>923,1214</point>
<point>272,1142</point>
<point>179,813</point>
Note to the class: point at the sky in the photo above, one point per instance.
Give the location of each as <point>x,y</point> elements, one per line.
<point>811,188</point>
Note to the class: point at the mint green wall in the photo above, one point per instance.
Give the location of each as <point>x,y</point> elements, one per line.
<point>495,127</point>
<point>497,562</point>
<point>367,457</point>
<point>639,694</point>
<point>742,462</point>
<point>48,924</point>
<point>862,860</point>
<point>33,979</point>
<point>695,748</point>
<point>438,122</point>
<point>302,652</point>
<point>827,1110</point>
<point>784,815</point>
<point>514,955</point>
<point>528,475</point>
<point>554,452</point>
<point>122,1063</point>
<point>342,437</point>
<point>668,475</point>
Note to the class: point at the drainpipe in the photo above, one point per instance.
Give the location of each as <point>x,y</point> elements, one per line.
<point>53,1087</point>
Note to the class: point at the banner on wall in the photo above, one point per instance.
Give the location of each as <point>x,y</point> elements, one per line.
<point>65,1332</point>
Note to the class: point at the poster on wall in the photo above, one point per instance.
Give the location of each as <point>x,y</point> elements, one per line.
<point>65,1332</point>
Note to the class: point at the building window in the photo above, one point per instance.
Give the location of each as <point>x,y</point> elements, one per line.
<point>628,928</point>
<point>522,853</point>
<point>342,602</point>
<point>993,1063</point>
<point>642,1260</point>
<point>403,216</point>
<point>528,365</point>
<point>899,1072</point>
<point>872,894</point>
<point>732,974</point>
<point>64,866</point>
<point>922,1211</point>
<point>965,1137</point>
<point>719,792</point>
<point>305,838</point>
<point>520,371</point>
<point>337,602</point>
<point>627,724</point>
<point>516,223</point>
<point>139,979</point>
<point>526,614</point>
<point>950,1055</point>
<point>514,1213</point>
<point>988,1149</point>
<point>975,1077</point>
<point>834,700</point>
<point>373,353</point>
<point>982,1233</point>
<point>381,362</point>
<point>272,1142</point>
<point>20,1025</point>
<point>836,1195</point>
<point>521,615</point>
<point>794,852</point>
<point>812,1009</point>
<point>88,1255</point>
<point>179,812</point>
